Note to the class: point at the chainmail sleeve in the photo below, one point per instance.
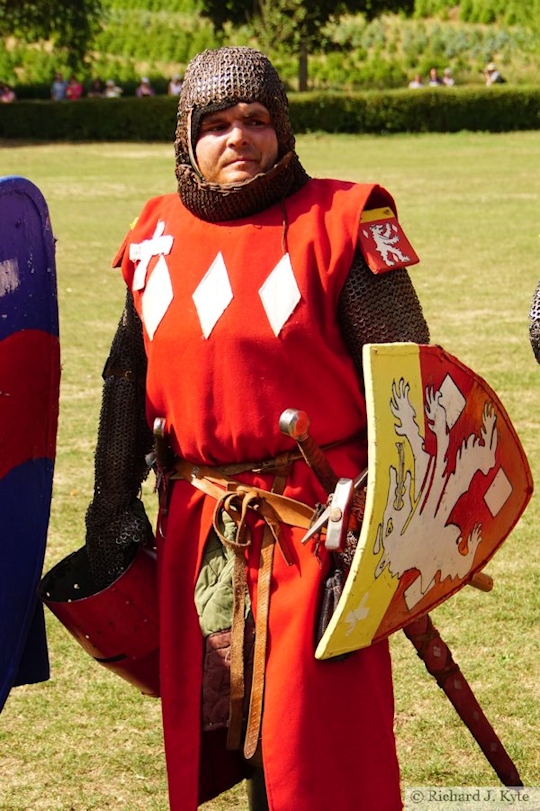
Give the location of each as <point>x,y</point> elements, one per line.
<point>534,323</point>
<point>116,520</point>
<point>375,309</point>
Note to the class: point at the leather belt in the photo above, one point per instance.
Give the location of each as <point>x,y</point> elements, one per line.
<point>274,508</point>
<point>215,483</point>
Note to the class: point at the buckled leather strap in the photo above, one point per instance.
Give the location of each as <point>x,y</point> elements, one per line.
<point>236,504</point>
<point>230,504</point>
<point>256,701</point>
<point>212,482</point>
<point>274,508</point>
<point>253,731</point>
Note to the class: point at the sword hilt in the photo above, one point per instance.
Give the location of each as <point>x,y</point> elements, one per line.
<point>161,446</point>
<point>438,660</point>
<point>295,423</point>
<point>481,581</point>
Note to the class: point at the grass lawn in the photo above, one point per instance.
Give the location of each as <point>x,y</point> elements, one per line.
<point>85,741</point>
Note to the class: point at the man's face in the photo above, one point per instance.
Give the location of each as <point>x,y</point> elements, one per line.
<point>236,144</point>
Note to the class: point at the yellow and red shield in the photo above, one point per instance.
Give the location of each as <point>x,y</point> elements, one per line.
<point>448,480</point>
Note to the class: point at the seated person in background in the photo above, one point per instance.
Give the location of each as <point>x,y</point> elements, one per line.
<point>448,79</point>
<point>96,89</point>
<point>434,78</point>
<point>58,88</point>
<point>112,90</point>
<point>74,89</point>
<point>145,89</point>
<point>7,95</point>
<point>416,82</point>
<point>175,85</point>
<point>492,75</point>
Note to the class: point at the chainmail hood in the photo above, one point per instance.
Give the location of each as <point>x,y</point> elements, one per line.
<point>214,80</point>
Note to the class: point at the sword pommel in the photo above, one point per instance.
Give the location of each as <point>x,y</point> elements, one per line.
<point>481,581</point>
<point>159,427</point>
<point>294,423</point>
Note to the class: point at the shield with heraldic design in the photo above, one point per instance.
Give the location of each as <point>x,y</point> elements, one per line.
<point>448,480</point>
<point>29,393</point>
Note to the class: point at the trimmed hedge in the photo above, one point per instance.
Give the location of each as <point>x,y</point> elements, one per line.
<point>494,109</point>
<point>132,119</point>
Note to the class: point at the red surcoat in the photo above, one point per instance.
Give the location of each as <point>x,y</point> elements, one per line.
<point>239,324</point>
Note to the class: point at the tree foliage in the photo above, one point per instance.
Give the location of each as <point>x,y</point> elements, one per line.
<point>69,24</point>
<point>486,12</point>
<point>311,15</point>
<point>296,24</point>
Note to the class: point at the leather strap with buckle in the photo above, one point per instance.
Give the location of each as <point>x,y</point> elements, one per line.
<point>237,504</point>
<point>274,508</point>
<point>268,504</point>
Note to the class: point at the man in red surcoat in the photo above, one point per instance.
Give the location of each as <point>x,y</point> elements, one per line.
<point>250,291</point>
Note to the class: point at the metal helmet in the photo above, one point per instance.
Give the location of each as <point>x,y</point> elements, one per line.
<point>214,80</point>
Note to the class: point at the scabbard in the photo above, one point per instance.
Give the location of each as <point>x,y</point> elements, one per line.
<point>439,663</point>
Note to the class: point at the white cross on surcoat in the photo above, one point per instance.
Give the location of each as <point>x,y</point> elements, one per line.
<point>142,252</point>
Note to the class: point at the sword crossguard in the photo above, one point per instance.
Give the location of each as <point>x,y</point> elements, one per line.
<point>338,517</point>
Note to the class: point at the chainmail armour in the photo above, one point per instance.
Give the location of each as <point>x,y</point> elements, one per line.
<point>376,309</point>
<point>221,78</point>
<point>116,520</point>
<point>534,324</point>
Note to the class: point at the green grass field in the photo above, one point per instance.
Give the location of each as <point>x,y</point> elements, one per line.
<point>86,741</point>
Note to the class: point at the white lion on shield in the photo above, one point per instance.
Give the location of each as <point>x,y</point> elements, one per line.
<point>412,520</point>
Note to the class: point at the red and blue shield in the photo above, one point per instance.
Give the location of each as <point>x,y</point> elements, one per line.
<point>29,392</point>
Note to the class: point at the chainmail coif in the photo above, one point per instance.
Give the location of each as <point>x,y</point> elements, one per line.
<point>215,80</point>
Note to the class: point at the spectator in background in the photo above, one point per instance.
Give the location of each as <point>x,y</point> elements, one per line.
<point>112,90</point>
<point>492,75</point>
<point>74,89</point>
<point>175,85</point>
<point>96,89</point>
<point>145,89</point>
<point>416,82</point>
<point>448,79</point>
<point>7,95</point>
<point>434,78</point>
<point>58,88</point>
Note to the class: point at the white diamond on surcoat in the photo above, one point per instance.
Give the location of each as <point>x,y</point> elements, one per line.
<point>280,294</point>
<point>213,295</point>
<point>157,297</point>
